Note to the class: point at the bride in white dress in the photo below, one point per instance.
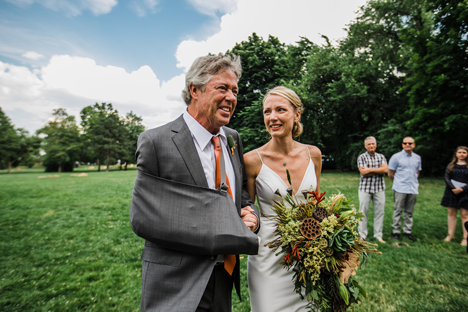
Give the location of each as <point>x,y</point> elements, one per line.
<point>270,285</point>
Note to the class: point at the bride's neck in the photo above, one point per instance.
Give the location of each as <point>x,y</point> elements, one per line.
<point>282,145</point>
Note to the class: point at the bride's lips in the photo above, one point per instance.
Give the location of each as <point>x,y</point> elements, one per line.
<point>275,127</point>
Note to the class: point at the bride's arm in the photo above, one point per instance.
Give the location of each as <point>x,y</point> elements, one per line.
<point>316,156</point>
<point>252,168</point>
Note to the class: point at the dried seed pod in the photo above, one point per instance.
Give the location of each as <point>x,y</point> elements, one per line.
<point>305,193</point>
<point>311,228</point>
<point>320,213</point>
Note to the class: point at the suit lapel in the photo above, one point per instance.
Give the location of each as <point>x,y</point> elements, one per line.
<point>237,169</point>
<point>184,142</point>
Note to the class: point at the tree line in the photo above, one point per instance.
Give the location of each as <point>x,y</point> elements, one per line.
<point>402,70</point>
<point>103,136</point>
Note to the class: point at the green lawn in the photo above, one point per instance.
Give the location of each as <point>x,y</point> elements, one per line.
<point>66,245</point>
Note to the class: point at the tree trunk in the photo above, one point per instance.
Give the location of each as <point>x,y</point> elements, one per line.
<point>125,165</point>
<point>99,163</point>
<point>60,168</point>
<point>108,159</point>
<point>9,167</point>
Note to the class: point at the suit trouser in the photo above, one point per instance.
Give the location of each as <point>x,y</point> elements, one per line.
<point>403,203</point>
<point>378,200</point>
<point>218,292</point>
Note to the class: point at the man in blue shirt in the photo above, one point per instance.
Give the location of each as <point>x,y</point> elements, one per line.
<point>403,170</point>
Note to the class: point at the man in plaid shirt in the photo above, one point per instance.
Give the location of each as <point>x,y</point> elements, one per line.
<point>373,167</point>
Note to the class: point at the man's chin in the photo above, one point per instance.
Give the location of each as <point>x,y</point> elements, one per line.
<point>222,121</point>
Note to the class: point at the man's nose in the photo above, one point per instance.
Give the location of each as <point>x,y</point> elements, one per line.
<point>231,96</point>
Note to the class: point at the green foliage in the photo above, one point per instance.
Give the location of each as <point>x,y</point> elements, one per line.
<point>105,131</point>
<point>16,145</point>
<point>341,239</point>
<point>61,143</point>
<point>266,64</point>
<point>438,85</point>
<point>134,127</point>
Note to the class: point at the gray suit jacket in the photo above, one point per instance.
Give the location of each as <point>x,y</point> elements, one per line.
<point>184,223</point>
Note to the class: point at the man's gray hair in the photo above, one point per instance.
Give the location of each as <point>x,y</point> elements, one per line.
<point>369,138</point>
<point>205,67</point>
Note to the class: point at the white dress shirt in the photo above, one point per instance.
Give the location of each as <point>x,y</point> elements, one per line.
<point>205,148</point>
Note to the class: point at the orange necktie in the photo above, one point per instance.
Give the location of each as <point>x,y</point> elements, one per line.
<point>229,260</point>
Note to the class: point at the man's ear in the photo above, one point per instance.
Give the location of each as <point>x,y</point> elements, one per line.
<point>193,91</point>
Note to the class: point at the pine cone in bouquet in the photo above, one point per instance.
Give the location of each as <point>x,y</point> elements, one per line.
<point>320,213</point>
<point>310,228</point>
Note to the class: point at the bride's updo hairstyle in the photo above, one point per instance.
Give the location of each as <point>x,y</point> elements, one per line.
<point>295,101</point>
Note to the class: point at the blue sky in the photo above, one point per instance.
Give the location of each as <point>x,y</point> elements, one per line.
<point>134,53</point>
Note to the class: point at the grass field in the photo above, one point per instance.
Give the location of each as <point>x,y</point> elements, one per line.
<point>66,245</point>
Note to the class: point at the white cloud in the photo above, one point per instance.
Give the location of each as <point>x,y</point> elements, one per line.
<point>211,7</point>
<point>287,21</point>
<point>28,97</point>
<point>32,55</point>
<point>143,7</point>
<point>71,7</point>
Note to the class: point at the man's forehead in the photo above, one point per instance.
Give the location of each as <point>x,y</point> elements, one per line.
<point>410,139</point>
<point>371,141</point>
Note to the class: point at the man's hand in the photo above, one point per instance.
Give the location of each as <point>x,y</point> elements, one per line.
<point>457,190</point>
<point>249,218</point>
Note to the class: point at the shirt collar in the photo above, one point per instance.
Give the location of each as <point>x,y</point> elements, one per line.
<point>201,135</point>
<point>404,152</point>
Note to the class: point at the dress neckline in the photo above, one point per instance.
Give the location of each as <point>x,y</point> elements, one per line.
<point>302,181</point>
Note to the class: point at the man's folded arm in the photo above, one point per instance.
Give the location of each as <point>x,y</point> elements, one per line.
<point>185,217</point>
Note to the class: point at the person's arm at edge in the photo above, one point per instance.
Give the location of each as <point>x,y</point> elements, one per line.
<point>393,163</point>
<point>248,205</point>
<point>391,174</point>
<point>252,164</point>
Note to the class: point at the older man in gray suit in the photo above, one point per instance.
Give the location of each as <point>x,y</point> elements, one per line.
<point>189,200</point>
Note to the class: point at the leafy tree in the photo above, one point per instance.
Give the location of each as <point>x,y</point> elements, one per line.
<point>62,142</point>
<point>105,133</point>
<point>15,144</point>
<point>134,127</point>
<point>265,64</point>
<point>438,83</point>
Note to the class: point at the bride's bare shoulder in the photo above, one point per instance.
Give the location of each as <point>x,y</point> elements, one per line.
<point>314,151</point>
<point>252,159</point>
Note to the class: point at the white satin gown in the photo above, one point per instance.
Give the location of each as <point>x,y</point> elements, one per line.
<point>270,285</point>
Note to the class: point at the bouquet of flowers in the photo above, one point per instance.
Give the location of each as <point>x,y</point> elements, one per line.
<point>320,245</point>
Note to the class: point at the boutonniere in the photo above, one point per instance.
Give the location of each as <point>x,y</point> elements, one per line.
<point>232,143</point>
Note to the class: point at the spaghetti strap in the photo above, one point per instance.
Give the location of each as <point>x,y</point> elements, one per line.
<point>309,152</point>
<point>259,156</point>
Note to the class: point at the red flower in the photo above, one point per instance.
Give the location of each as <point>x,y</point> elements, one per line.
<point>318,197</point>
<point>295,251</point>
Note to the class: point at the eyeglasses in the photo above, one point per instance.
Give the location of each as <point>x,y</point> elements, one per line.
<point>407,143</point>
